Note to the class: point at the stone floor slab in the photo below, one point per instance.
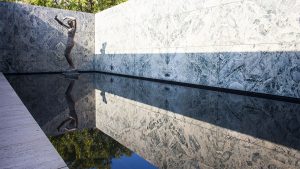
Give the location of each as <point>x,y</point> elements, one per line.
<point>23,144</point>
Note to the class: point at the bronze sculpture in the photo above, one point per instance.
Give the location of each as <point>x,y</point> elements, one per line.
<point>71,27</point>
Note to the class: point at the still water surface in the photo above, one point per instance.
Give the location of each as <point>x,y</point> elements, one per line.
<point>106,121</point>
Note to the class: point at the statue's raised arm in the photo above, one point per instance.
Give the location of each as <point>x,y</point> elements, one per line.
<point>61,23</point>
<point>71,19</point>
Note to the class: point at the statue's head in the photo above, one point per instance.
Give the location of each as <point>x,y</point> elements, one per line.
<point>70,23</point>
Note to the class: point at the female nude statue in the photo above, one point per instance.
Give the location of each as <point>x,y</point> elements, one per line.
<point>70,43</point>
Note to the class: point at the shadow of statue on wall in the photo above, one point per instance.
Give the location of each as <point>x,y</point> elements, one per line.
<point>71,27</point>
<point>102,50</point>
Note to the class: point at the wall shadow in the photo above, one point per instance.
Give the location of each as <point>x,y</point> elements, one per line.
<point>274,73</point>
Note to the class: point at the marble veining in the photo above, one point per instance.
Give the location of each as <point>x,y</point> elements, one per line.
<point>242,45</point>
<point>31,40</point>
<point>275,73</point>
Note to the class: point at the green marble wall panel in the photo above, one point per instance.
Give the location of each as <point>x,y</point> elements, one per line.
<point>38,42</point>
<point>245,45</point>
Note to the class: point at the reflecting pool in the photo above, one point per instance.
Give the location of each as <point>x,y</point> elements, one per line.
<point>106,121</point>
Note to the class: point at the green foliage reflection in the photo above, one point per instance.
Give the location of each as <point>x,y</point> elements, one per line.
<point>89,148</point>
<point>91,6</point>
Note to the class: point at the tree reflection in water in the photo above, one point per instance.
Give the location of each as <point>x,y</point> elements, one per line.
<point>88,148</point>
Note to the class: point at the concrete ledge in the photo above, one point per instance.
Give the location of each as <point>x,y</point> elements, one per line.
<point>23,144</point>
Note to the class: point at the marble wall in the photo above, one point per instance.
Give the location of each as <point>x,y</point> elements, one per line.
<point>32,41</point>
<point>181,127</point>
<point>248,45</point>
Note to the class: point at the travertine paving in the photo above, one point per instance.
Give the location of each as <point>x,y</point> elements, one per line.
<point>22,142</point>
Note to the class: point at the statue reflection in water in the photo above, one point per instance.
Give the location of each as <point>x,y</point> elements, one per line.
<point>71,123</point>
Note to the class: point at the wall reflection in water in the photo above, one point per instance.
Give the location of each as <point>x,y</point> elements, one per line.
<point>57,103</point>
<point>180,127</point>
<point>171,126</point>
<point>65,110</point>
